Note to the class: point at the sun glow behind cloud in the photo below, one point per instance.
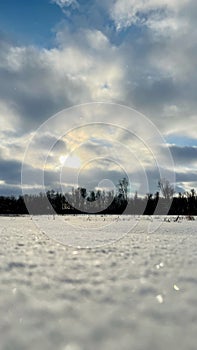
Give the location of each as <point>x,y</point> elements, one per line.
<point>70,161</point>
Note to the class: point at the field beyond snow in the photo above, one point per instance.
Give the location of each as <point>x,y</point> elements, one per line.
<point>136,289</point>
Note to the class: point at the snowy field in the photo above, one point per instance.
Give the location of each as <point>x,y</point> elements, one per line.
<point>136,289</point>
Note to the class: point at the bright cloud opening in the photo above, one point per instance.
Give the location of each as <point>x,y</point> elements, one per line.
<point>70,161</point>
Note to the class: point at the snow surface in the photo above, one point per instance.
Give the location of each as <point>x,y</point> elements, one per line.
<point>138,293</point>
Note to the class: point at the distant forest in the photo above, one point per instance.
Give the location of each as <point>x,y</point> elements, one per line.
<point>80,201</point>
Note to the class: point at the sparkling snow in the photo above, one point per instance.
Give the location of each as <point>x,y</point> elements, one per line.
<point>138,292</point>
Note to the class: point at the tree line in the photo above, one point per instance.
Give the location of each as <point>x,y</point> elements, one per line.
<point>81,201</point>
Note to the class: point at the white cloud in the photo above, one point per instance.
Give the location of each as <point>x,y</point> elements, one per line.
<point>93,68</point>
<point>36,83</point>
<point>128,12</point>
<point>65,3</point>
<point>85,66</point>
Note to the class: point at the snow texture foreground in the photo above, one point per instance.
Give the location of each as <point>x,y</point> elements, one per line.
<point>139,293</point>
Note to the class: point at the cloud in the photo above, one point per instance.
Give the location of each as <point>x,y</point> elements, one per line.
<point>26,87</point>
<point>11,175</point>
<point>186,177</point>
<point>148,62</point>
<point>151,13</point>
<point>36,84</point>
<point>151,75</point>
<point>43,141</point>
<point>10,171</point>
<point>65,3</point>
<point>184,156</point>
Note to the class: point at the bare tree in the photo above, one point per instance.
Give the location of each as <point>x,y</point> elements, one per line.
<point>166,188</point>
<point>123,188</point>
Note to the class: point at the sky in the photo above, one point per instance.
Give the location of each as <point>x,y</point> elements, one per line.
<point>92,91</point>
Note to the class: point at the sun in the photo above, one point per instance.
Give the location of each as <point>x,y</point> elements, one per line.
<point>70,161</point>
